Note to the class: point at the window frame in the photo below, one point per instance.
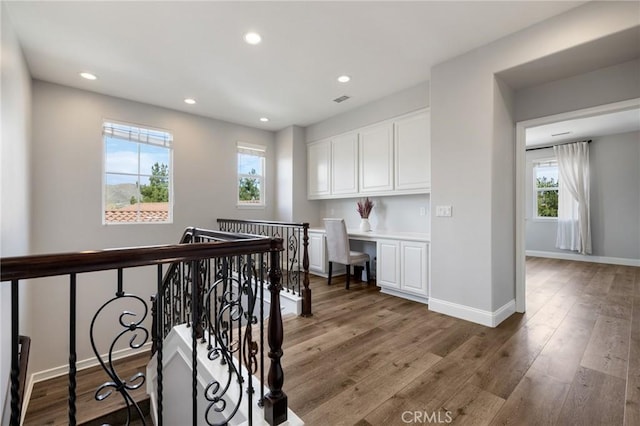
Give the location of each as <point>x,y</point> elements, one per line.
<point>550,161</point>
<point>258,151</point>
<point>168,144</point>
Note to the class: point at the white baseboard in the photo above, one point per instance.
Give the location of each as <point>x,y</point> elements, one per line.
<point>51,373</point>
<point>479,316</point>
<point>584,258</point>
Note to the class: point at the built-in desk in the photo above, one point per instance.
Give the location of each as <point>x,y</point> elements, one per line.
<point>402,260</point>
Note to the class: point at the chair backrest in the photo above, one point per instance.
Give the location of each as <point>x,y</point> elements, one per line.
<point>337,240</point>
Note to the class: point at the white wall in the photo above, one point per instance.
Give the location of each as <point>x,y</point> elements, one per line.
<point>66,198</point>
<point>468,124</point>
<point>615,199</point>
<point>14,184</point>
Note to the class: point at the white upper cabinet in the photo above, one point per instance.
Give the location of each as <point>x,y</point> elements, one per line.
<point>344,164</point>
<point>376,158</point>
<point>412,152</point>
<point>319,169</point>
<point>388,158</point>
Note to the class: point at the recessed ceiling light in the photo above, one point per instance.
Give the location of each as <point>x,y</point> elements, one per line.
<point>88,76</point>
<point>189,101</point>
<point>344,78</point>
<point>252,38</point>
<point>264,119</point>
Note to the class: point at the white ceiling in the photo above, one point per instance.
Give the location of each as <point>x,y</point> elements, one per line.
<point>162,52</point>
<point>584,128</point>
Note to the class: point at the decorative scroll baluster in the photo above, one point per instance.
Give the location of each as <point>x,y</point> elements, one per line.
<point>261,263</point>
<point>306,292</point>
<point>194,347</point>
<point>117,383</point>
<point>275,407</point>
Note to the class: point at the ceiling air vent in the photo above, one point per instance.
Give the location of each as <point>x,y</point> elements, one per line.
<point>341,99</point>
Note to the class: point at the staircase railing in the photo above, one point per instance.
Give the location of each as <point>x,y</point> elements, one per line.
<point>294,262</point>
<point>228,328</point>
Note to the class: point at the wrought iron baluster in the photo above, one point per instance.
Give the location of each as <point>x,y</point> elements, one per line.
<point>194,348</point>
<point>306,292</point>
<point>15,350</point>
<point>117,383</point>
<point>261,263</point>
<point>159,347</point>
<point>72,349</point>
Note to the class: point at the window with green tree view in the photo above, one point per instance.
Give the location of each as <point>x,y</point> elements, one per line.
<point>137,177</point>
<point>545,180</point>
<point>251,173</point>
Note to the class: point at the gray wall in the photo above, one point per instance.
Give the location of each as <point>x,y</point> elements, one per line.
<point>468,124</point>
<point>291,183</point>
<point>615,199</point>
<point>399,103</point>
<point>599,87</point>
<point>14,185</point>
<point>66,196</point>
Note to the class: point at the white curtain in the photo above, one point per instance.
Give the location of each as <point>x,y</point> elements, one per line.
<point>574,218</point>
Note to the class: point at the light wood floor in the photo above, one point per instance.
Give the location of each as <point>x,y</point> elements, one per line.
<point>365,358</point>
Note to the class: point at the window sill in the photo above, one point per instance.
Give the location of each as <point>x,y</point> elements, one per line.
<point>544,219</point>
<point>251,206</point>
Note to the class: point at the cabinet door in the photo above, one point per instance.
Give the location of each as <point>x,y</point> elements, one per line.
<point>413,152</point>
<point>388,268</point>
<point>376,158</point>
<point>318,169</point>
<point>414,267</point>
<point>344,165</point>
<point>316,252</point>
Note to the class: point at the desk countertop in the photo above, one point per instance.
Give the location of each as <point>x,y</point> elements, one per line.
<point>356,234</point>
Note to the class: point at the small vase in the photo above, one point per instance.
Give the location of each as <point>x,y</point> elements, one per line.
<point>365,226</point>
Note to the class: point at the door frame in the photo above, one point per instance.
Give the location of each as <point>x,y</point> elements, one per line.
<point>521,128</point>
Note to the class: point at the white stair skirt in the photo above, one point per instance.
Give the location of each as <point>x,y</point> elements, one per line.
<point>176,401</point>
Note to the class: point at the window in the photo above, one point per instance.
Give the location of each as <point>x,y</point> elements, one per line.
<point>251,165</point>
<point>545,183</point>
<point>137,182</point>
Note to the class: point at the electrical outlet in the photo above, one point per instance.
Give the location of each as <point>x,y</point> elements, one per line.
<point>332,212</point>
<point>423,211</point>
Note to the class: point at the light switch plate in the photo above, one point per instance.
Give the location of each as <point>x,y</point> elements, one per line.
<point>443,211</point>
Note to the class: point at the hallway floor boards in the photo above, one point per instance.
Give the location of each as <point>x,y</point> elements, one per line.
<point>366,358</point>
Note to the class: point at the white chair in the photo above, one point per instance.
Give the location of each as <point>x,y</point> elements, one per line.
<point>338,248</point>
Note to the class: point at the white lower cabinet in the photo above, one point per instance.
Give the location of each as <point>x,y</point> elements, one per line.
<point>403,268</point>
<point>388,267</point>
<point>317,250</point>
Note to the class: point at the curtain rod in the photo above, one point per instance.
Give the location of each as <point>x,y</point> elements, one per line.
<point>561,143</point>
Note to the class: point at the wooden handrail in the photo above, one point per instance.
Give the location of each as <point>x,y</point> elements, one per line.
<point>47,265</point>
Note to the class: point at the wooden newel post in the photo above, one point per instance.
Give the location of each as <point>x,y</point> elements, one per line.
<point>306,291</point>
<point>275,402</point>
